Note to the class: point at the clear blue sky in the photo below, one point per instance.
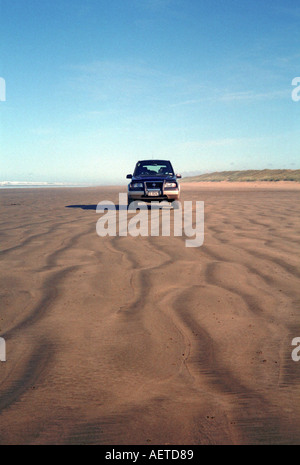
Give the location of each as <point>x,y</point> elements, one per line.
<point>94,85</point>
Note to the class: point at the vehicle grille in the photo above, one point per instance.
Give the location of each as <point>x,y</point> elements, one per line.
<point>154,185</point>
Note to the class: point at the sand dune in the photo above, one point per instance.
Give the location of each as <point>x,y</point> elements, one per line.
<point>141,340</point>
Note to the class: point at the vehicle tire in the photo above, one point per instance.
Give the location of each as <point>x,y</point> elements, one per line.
<point>175,204</point>
<point>129,200</point>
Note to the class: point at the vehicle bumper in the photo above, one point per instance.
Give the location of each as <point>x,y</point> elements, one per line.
<point>168,194</point>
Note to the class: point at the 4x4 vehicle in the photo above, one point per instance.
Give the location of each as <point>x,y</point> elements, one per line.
<point>153,180</point>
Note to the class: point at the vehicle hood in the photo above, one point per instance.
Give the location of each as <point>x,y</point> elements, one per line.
<point>154,178</point>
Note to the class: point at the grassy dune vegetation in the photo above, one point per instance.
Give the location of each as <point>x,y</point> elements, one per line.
<point>247,176</point>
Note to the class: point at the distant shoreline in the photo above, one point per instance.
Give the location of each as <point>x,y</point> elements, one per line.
<point>185,186</point>
<point>49,186</point>
<point>228,177</point>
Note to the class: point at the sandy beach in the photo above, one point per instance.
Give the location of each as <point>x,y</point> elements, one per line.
<point>142,340</point>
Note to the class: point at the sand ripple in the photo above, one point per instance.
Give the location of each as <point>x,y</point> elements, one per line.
<point>123,340</point>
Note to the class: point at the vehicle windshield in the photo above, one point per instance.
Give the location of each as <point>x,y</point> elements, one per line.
<point>153,168</point>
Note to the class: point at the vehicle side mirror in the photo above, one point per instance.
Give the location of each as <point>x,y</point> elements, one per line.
<point>129,176</point>
<point>178,176</point>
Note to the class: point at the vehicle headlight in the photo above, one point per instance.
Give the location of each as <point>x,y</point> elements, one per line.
<point>138,184</point>
<point>170,184</point>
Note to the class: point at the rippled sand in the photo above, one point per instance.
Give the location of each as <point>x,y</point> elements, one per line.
<point>141,340</point>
